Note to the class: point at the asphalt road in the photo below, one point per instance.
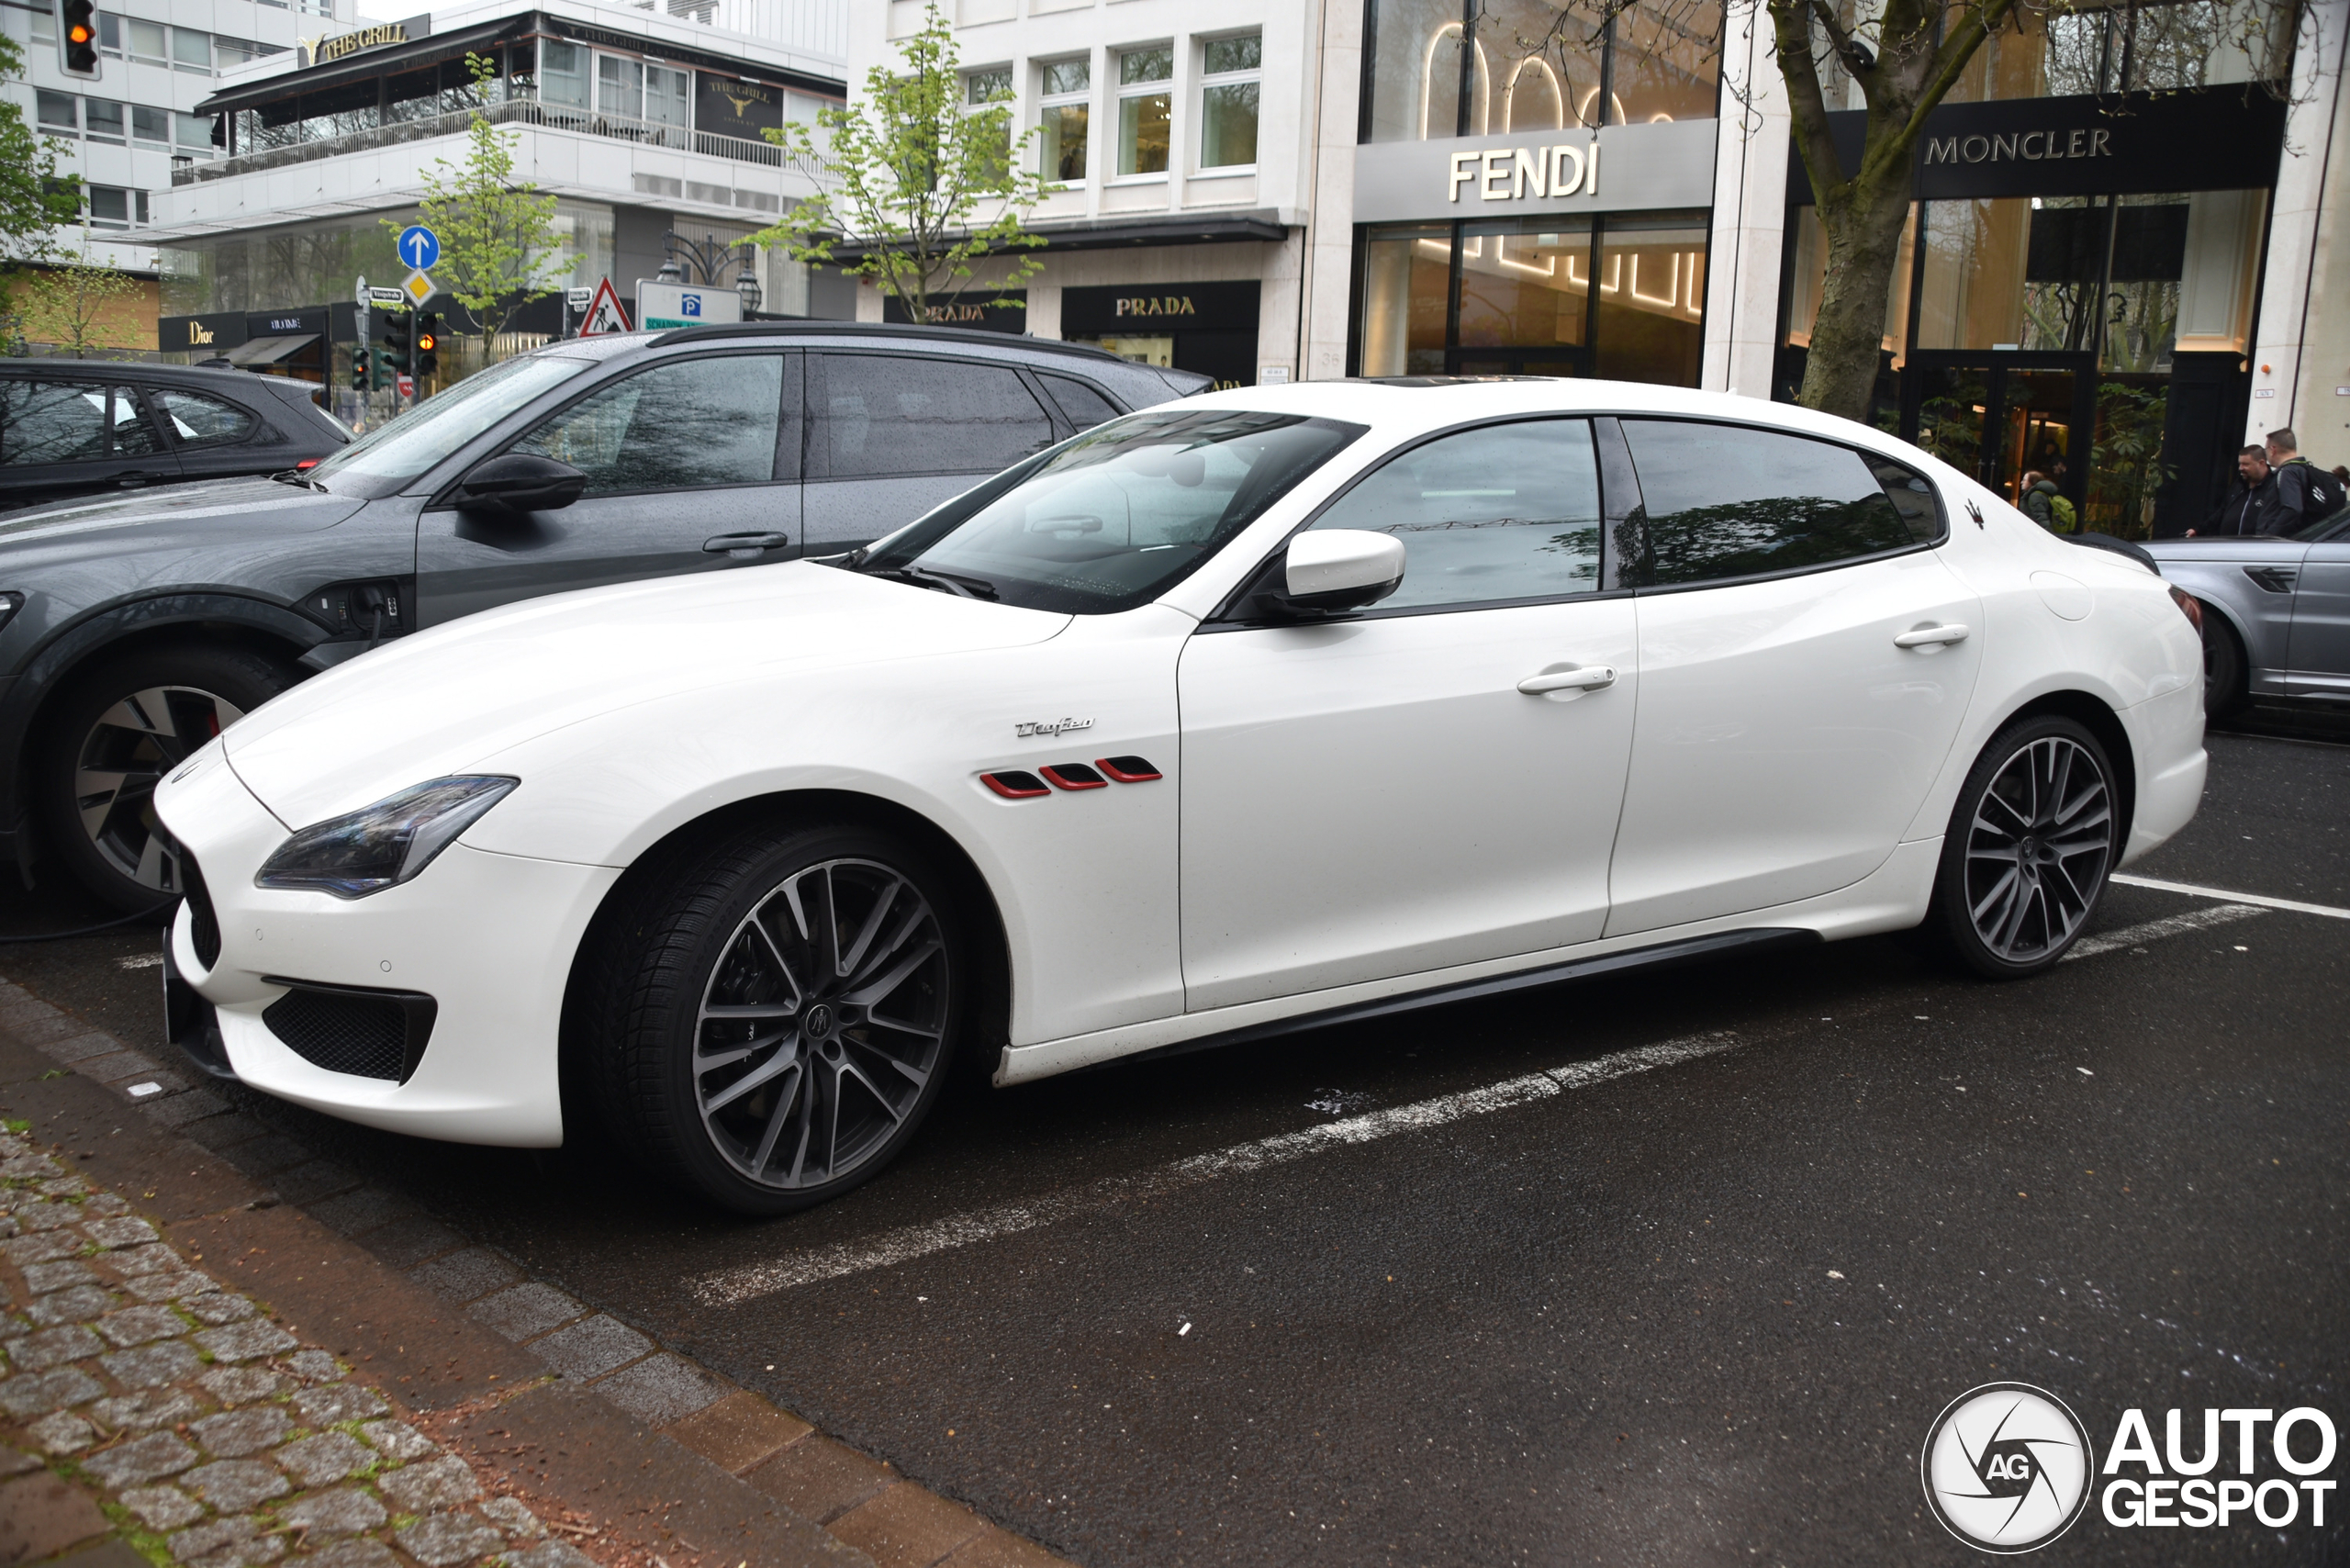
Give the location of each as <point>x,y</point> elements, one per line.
<point>1703,1312</point>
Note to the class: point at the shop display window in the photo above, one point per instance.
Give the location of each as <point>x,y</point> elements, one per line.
<point>1444,68</point>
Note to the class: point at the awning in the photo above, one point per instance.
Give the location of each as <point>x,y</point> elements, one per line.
<point>269,350</point>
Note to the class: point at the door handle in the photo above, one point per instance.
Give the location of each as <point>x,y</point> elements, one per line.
<point>743,546</point>
<point>133,479</point>
<point>1587,677</point>
<point>1928,636</point>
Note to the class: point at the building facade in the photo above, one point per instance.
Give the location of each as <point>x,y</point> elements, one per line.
<point>2123,260</point>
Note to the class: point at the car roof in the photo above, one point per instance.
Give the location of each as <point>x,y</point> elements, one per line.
<point>189,376</point>
<point>1409,403</point>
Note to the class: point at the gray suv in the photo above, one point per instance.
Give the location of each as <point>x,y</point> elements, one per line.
<point>133,630</point>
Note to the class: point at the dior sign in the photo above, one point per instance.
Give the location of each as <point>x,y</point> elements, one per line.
<point>1509,173</point>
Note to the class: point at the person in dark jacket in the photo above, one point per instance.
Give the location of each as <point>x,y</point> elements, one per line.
<point>2247,500</point>
<point>2304,493</point>
<point>2038,494</point>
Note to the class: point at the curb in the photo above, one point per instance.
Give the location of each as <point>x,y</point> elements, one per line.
<point>590,1412</point>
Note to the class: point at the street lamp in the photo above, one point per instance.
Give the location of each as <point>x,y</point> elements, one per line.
<point>746,278</point>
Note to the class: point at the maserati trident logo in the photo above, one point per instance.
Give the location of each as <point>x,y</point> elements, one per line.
<point>1050,727</point>
<point>2006,1468</point>
<point>1975,512</point>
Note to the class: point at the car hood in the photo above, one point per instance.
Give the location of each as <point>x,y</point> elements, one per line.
<point>176,515</point>
<point>450,700</point>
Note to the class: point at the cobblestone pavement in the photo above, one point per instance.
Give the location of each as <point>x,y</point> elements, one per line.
<point>142,1396</point>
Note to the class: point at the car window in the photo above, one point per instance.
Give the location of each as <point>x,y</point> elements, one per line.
<point>1113,518</point>
<point>52,421</point>
<point>199,420</point>
<point>378,463</point>
<point>1730,501</point>
<point>1499,512</point>
<point>134,433</point>
<point>1080,404</point>
<point>689,425</point>
<point>884,414</point>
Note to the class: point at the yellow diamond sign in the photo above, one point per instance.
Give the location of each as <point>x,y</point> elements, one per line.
<point>419,287</point>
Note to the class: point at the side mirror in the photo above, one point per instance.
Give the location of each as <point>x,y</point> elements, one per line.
<point>521,481</point>
<point>1332,571</point>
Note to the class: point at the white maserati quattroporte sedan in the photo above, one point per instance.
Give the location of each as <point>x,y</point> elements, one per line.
<point>1264,709</point>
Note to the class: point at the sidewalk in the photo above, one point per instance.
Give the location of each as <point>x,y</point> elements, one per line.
<point>221,1351</point>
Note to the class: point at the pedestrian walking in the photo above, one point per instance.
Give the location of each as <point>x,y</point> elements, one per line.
<point>2304,493</point>
<point>2247,500</point>
<point>2046,505</point>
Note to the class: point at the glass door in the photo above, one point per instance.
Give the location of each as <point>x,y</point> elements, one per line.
<point>1998,417</point>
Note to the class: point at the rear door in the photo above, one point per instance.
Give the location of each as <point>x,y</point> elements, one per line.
<point>2321,599</point>
<point>1785,738</point>
<point>691,465</point>
<point>212,436</point>
<point>891,435</point>
<point>63,437</point>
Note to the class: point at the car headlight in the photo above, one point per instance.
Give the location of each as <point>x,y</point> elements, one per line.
<point>386,844</point>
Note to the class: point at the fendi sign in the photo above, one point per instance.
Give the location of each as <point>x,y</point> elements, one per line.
<point>1650,168</point>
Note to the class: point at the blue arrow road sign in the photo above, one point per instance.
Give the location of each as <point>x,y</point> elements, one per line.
<point>418,246</point>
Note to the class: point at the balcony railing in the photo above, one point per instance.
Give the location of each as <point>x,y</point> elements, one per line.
<point>515,111</point>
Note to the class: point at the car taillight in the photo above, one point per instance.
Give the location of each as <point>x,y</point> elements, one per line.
<point>2188,606</point>
<point>313,463</point>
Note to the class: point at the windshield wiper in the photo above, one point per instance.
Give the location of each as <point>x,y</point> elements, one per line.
<point>941,582</point>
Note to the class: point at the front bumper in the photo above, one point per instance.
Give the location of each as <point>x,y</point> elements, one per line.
<point>488,938</point>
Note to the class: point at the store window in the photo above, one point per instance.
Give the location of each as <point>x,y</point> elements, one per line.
<point>1444,68</point>
<point>1809,274</point>
<point>1619,297</point>
<point>1145,108</point>
<point>1066,97</point>
<point>2058,52</point>
<point>1230,77</point>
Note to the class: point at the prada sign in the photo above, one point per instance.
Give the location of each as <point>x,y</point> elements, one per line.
<point>1650,168</point>
<point>2206,139</point>
<point>975,311</point>
<point>1151,310</point>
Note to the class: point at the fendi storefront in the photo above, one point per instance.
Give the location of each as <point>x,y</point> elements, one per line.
<point>2077,290</point>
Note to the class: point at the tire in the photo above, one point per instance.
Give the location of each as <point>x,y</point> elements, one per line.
<point>112,732</point>
<point>747,1107</point>
<point>2226,688</point>
<point>2031,840</point>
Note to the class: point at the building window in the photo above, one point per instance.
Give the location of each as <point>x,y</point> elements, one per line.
<point>192,133</point>
<point>148,44</point>
<point>1143,110</point>
<point>990,86</point>
<point>1620,298</point>
<point>191,50</point>
<point>109,34</point>
<point>2066,53</point>
<point>1445,67</point>
<point>103,118</point>
<point>151,126</point>
<point>56,113</point>
<point>668,97</point>
<point>1068,117</point>
<point>114,208</point>
<point>619,87</point>
<point>563,73</point>
<point>1230,72</point>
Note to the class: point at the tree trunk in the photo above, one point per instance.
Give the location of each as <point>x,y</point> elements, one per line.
<point>1864,223</point>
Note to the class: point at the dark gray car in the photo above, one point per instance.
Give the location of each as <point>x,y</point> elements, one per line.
<point>75,427</point>
<point>133,630</point>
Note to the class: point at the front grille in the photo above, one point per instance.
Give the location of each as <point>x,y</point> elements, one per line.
<point>368,1034</point>
<point>203,925</point>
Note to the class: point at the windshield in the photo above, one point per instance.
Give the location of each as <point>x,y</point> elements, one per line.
<point>385,457</point>
<point>1113,518</point>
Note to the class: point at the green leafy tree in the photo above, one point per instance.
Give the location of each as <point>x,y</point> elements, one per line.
<point>77,304</point>
<point>499,250</point>
<point>919,183</point>
<point>33,199</point>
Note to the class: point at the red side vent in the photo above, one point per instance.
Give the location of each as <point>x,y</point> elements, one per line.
<point>1015,786</point>
<point>1128,769</point>
<point>1074,776</point>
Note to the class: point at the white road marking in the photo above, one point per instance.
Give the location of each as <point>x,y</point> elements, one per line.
<point>140,961</point>
<point>2154,930</point>
<point>2263,899</point>
<point>732,1287</point>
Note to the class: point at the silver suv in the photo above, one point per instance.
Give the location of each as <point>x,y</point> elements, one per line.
<point>132,629</point>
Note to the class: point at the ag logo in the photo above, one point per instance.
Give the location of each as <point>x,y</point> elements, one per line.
<point>2006,1467</point>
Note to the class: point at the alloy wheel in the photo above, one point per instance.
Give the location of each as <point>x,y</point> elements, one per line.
<point>2038,849</point>
<point>823,1021</point>
<point>122,760</point>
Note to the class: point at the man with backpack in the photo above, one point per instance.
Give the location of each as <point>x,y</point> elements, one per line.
<point>2246,507</point>
<point>2302,492</point>
<point>2046,505</point>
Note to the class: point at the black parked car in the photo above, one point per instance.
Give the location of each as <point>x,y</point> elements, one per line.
<point>133,629</point>
<point>78,427</point>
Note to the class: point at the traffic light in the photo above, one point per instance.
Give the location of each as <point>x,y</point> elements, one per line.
<point>77,39</point>
<point>362,373</point>
<point>428,343</point>
<point>394,334</point>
